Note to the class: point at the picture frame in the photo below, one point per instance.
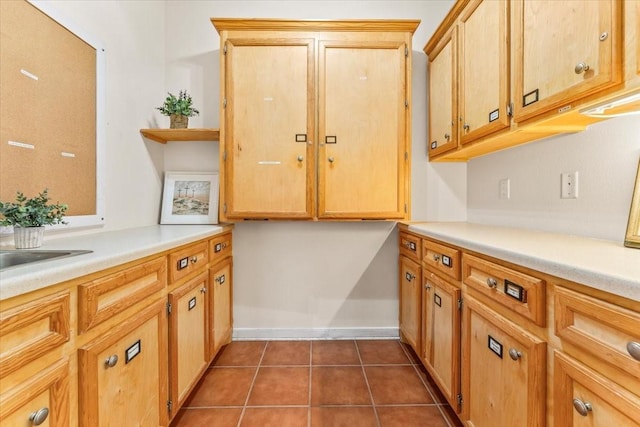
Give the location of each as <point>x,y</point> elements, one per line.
<point>190,198</point>
<point>632,238</point>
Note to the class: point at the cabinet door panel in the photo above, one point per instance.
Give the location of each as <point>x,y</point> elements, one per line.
<point>443,102</point>
<point>221,318</point>
<point>269,128</point>
<point>362,129</point>
<point>484,86</point>
<point>410,302</point>
<point>498,389</point>
<point>551,39</point>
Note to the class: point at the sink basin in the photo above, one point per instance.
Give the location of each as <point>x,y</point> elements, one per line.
<point>13,258</point>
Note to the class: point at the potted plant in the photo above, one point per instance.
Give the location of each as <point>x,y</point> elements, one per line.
<point>29,216</point>
<point>179,109</point>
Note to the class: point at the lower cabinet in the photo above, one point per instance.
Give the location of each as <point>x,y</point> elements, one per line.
<point>220,321</point>
<point>410,302</point>
<point>582,397</point>
<point>43,399</point>
<point>441,335</point>
<point>503,371</point>
<point>123,373</point>
<point>188,338</point>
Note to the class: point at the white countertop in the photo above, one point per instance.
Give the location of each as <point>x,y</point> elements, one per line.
<point>109,248</point>
<point>600,264</point>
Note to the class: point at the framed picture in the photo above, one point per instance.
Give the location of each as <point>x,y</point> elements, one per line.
<point>190,198</point>
<point>632,238</point>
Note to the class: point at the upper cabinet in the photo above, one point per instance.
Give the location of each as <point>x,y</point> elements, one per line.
<point>314,114</point>
<point>564,51</point>
<point>522,70</point>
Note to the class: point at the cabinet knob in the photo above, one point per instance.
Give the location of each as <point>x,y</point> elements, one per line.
<point>427,286</point>
<point>447,136</point>
<point>466,127</point>
<point>514,354</point>
<point>39,416</point>
<point>492,283</point>
<point>194,259</point>
<point>203,290</point>
<point>111,361</point>
<point>331,159</point>
<point>634,349</point>
<point>300,158</point>
<point>583,408</point>
<point>436,257</point>
<point>581,67</point>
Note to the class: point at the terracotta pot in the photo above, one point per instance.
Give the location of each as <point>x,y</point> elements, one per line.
<point>178,121</point>
<point>28,237</point>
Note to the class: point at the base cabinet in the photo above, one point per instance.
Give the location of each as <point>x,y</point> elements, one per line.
<point>503,372</point>
<point>188,338</point>
<point>220,323</point>
<point>123,374</point>
<point>410,302</point>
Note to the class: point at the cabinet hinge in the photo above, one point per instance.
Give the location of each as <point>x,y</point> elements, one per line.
<point>459,398</point>
<point>224,49</point>
<point>406,51</point>
<point>510,109</point>
<point>168,308</point>
<point>224,103</point>
<point>406,155</point>
<point>405,208</point>
<point>406,103</point>
<point>169,405</point>
<point>459,303</point>
<point>224,156</point>
<point>224,208</point>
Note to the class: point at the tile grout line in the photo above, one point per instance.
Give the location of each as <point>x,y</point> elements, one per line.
<point>310,382</point>
<point>366,380</point>
<point>253,381</point>
<point>433,397</point>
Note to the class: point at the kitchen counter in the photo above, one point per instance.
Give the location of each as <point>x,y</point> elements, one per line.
<point>109,248</point>
<point>600,264</point>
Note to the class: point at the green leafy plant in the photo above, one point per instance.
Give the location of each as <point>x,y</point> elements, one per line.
<point>34,212</point>
<point>180,105</point>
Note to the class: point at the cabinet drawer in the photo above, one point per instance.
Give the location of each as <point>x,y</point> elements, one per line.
<point>30,330</point>
<point>220,248</point>
<point>410,246</point>
<point>582,397</point>
<point>187,260</point>
<point>441,258</point>
<point>520,292</point>
<point>107,296</point>
<point>606,331</point>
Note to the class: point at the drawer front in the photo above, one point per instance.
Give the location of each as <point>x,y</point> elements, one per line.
<point>30,330</point>
<point>220,248</point>
<point>520,292</point>
<point>410,246</point>
<point>103,298</point>
<point>187,260</point>
<point>606,331</point>
<point>441,258</point>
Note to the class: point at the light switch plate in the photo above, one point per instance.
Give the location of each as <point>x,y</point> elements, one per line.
<point>505,188</point>
<point>569,185</point>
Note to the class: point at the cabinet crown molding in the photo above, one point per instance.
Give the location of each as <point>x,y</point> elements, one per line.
<point>399,25</point>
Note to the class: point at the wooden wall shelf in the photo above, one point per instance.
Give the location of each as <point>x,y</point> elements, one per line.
<point>164,135</point>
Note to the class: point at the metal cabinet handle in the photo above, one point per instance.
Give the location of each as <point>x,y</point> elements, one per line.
<point>447,136</point>
<point>492,283</point>
<point>514,354</point>
<point>583,408</point>
<point>300,158</point>
<point>436,257</point>
<point>581,67</point>
<point>194,259</point>
<point>203,290</point>
<point>466,127</point>
<point>634,349</point>
<point>427,286</point>
<point>331,159</point>
<point>111,361</point>
<point>39,416</point>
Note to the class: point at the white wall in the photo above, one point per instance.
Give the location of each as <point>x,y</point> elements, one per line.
<point>606,157</point>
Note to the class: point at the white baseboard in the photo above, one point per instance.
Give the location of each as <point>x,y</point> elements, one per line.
<point>243,334</point>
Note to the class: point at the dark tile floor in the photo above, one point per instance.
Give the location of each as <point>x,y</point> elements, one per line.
<point>377,383</point>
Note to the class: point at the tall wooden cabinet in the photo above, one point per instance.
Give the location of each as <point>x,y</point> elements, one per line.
<point>315,119</point>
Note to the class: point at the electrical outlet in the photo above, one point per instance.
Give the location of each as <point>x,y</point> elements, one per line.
<point>504,188</point>
<point>569,185</point>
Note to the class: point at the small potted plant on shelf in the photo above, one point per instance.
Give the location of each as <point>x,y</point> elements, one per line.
<point>179,109</point>
<point>29,216</point>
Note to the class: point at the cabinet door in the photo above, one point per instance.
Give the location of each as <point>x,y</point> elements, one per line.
<point>484,70</point>
<point>269,158</point>
<point>443,100</point>
<point>585,398</point>
<point>41,400</point>
<point>188,337</point>
<point>123,374</point>
<point>410,302</point>
<point>220,327</point>
<point>362,129</point>
<point>503,371</point>
<point>564,51</point>
<point>441,336</point>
